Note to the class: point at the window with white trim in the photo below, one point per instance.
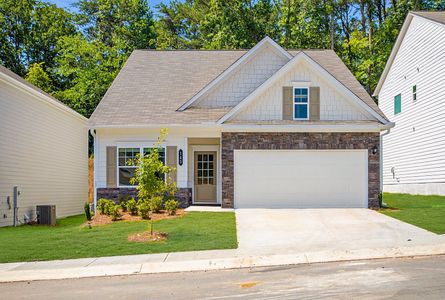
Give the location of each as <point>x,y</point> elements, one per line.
<point>127,163</point>
<point>301,103</point>
<point>414,93</point>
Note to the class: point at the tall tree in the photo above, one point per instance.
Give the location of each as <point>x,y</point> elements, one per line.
<point>130,22</point>
<point>29,31</point>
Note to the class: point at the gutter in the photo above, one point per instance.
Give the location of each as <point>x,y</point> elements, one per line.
<point>388,130</point>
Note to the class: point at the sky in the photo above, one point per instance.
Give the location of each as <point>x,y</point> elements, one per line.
<point>68,3</point>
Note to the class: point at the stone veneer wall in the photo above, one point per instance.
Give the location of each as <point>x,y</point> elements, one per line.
<point>184,195</point>
<point>298,140</point>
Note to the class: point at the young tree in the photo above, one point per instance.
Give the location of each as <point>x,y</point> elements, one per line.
<point>150,178</point>
<point>151,173</point>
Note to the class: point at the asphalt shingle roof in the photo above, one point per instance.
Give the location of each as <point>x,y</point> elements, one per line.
<point>437,16</point>
<point>153,84</point>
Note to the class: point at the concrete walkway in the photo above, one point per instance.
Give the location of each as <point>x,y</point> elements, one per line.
<point>266,238</point>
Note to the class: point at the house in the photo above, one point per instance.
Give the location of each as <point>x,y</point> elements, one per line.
<point>265,127</point>
<point>411,93</point>
<point>43,153</point>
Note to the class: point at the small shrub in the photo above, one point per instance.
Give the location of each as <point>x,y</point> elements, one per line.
<point>115,211</point>
<point>86,207</point>
<point>132,207</point>
<point>101,205</point>
<point>144,210</point>
<point>123,202</point>
<point>109,208</point>
<point>156,204</point>
<point>171,206</point>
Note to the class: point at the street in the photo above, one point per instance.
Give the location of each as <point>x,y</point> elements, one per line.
<point>412,278</point>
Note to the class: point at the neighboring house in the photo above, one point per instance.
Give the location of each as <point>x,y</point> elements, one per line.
<point>260,128</point>
<point>411,92</point>
<point>43,152</point>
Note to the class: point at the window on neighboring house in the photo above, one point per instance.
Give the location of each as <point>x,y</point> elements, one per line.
<point>301,103</point>
<point>414,93</point>
<point>398,104</point>
<point>127,162</point>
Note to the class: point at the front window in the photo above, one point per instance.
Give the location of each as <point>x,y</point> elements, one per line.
<point>301,103</point>
<point>127,162</point>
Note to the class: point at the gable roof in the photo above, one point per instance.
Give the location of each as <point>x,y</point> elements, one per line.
<point>267,41</point>
<point>434,16</point>
<point>368,105</point>
<point>153,84</point>
<point>19,82</point>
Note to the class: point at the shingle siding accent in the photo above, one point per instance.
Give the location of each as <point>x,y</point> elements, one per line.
<point>231,141</point>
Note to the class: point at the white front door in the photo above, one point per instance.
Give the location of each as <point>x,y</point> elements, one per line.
<point>300,178</point>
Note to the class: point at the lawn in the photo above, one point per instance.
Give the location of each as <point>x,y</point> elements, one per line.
<point>193,231</point>
<point>427,212</point>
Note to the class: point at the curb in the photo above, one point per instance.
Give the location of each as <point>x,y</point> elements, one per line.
<point>9,274</point>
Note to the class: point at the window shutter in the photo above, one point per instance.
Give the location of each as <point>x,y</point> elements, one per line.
<point>172,162</point>
<point>398,104</point>
<point>314,103</point>
<point>111,167</point>
<point>287,103</point>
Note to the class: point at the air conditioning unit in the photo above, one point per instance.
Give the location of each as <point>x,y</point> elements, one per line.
<point>46,214</point>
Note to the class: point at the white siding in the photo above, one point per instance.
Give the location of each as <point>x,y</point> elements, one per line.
<point>333,105</point>
<point>415,148</point>
<point>43,151</point>
<point>260,67</point>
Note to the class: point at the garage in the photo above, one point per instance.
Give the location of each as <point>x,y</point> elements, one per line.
<point>300,178</point>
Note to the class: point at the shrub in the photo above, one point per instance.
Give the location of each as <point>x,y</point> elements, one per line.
<point>132,207</point>
<point>101,205</point>
<point>114,211</point>
<point>143,208</point>
<point>123,201</point>
<point>86,207</point>
<point>156,204</point>
<point>171,206</point>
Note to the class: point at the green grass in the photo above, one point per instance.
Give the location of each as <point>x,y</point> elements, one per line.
<point>193,231</point>
<point>427,212</point>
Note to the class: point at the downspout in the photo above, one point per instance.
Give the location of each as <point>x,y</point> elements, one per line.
<point>93,133</point>
<point>381,157</point>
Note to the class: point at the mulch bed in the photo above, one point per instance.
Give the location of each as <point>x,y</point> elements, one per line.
<point>100,219</point>
<point>144,237</point>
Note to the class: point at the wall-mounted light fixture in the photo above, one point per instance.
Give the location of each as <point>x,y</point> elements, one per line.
<point>374,150</point>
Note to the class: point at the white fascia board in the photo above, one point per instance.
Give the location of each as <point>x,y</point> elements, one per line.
<point>40,96</point>
<point>235,66</point>
<point>393,54</point>
<point>284,69</point>
<point>149,126</point>
<point>372,127</point>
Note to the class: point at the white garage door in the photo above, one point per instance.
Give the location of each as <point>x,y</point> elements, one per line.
<point>300,178</point>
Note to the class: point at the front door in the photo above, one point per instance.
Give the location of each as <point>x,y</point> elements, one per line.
<point>205,176</point>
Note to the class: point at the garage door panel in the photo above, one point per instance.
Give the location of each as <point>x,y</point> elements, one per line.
<point>300,178</point>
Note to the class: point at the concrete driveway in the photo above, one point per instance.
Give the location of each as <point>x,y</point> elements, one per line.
<point>273,231</point>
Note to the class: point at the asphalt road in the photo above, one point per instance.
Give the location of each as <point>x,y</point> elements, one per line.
<point>416,278</point>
